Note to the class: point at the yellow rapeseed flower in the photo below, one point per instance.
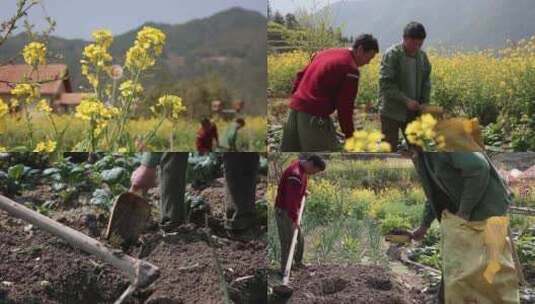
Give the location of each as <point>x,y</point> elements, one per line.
<point>45,146</point>
<point>26,91</point>
<point>96,55</point>
<point>363,141</point>
<point>43,106</point>
<point>34,53</point>
<point>172,104</point>
<point>428,121</point>
<point>4,108</point>
<point>129,89</point>
<point>138,58</point>
<point>90,108</point>
<point>151,38</point>
<point>103,37</point>
<point>149,44</point>
<point>421,132</point>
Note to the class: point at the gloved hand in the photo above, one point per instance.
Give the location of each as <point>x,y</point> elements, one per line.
<point>143,178</point>
<point>419,233</point>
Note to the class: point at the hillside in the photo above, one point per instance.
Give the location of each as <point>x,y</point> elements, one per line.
<point>468,24</point>
<point>230,46</point>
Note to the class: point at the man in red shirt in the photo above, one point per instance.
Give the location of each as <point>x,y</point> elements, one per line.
<point>206,136</point>
<point>292,187</point>
<point>329,82</point>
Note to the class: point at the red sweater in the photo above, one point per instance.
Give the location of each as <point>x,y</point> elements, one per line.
<point>205,139</point>
<point>329,82</point>
<point>292,188</point>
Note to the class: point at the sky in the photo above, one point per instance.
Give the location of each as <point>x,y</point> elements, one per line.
<point>78,18</point>
<point>290,6</point>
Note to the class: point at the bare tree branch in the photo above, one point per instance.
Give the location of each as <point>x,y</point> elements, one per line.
<point>23,6</point>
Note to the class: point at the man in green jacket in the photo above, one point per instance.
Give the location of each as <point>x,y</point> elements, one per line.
<point>464,183</point>
<point>230,138</point>
<point>404,82</point>
<point>240,171</point>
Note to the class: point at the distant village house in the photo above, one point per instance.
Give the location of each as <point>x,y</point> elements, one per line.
<point>55,84</point>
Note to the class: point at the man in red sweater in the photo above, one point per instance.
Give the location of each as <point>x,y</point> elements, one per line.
<point>206,136</point>
<point>329,82</point>
<point>292,188</point>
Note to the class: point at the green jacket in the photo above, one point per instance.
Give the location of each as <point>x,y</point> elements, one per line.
<point>230,137</point>
<point>393,86</point>
<point>461,182</point>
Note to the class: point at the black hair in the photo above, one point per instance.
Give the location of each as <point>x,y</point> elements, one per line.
<point>316,161</point>
<point>368,43</point>
<point>240,121</point>
<point>414,30</point>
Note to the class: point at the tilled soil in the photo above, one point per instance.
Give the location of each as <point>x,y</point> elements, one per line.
<point>37,267</point>
<point>243,270</point>
<point>188,270</point>
<point>344,284</point>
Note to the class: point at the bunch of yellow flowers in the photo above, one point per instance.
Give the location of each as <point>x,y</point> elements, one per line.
<point>103,37</point>
<point>26,91</point>
<point>150,37</point>
<point>97,54</point>
<point>43,106</point>
<point>363,141</point>
<point>34,53</point>
<point>93,110</point>
<point>171,104</point>
<point>148,45</point>
<point>45,146</point>
<point>129,89</point>
<point>421,132</point>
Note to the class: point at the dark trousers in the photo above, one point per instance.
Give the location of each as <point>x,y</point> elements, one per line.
<point>390,128</point>
<point>173,166</point>
<point>241,169</point>
<point>240,183</point>
<point>286,232</point>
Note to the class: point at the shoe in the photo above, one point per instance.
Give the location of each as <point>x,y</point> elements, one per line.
<point>243,234</point>
<point>300,265</point>
<point>169,226</point>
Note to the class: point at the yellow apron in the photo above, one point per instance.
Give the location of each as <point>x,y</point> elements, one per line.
<point>478,265</point>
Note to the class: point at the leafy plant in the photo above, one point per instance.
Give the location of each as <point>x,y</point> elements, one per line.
<point>428,255</point>
<point>526,249</point>
<point>392,222</point>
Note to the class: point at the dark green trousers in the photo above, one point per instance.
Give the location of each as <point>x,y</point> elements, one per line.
<point>391,128</point>
<point>240,169</point>
<point>286,232</point>
<point>173,166</point>
<point>307,133</point>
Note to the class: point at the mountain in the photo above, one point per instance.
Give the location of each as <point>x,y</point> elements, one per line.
<point>230,45</point>
<point>466,24</point>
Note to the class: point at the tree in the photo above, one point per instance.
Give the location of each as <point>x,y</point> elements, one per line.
<point>278,18</point>
<point>291,21</point>
<point>269,11</point>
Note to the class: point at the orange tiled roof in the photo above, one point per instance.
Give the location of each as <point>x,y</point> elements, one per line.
<point>13,73</point>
